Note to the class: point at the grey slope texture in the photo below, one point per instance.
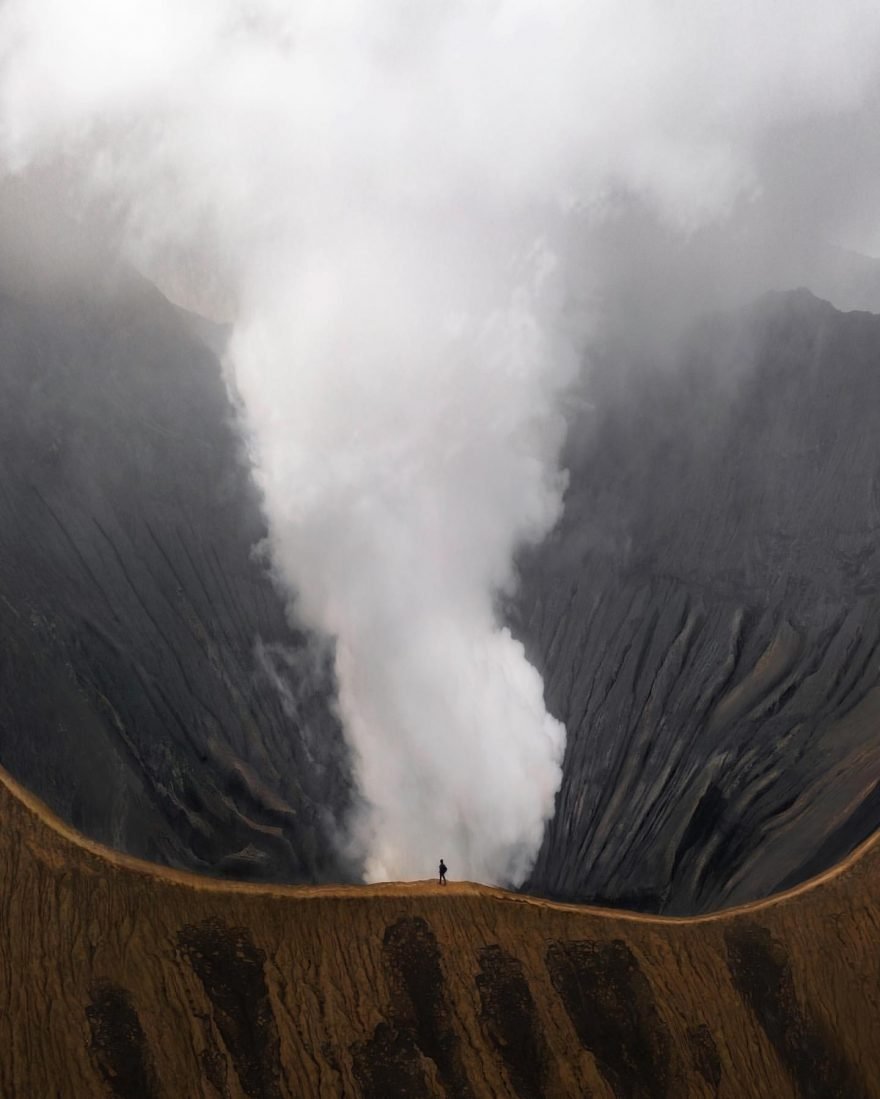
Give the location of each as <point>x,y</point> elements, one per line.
<point>706,616</point>
<point>151,689</point>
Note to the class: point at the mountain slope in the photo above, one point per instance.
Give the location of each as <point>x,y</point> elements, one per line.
<point>151,688</point>
<point>706,617</point>
<point>123,979</point>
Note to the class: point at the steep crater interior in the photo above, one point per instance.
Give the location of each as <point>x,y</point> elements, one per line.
<point>703,616</point>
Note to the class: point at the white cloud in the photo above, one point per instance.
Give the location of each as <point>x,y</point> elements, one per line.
<point>388,190</point>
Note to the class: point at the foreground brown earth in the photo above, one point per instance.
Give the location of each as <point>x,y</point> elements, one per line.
<point>122,979</point>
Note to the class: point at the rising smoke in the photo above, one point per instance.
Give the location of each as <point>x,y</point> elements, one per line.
<point>385,197</point>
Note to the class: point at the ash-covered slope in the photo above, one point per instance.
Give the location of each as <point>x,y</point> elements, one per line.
<point>707,617</point>
<point>126,981</point>
<point>151,690</point>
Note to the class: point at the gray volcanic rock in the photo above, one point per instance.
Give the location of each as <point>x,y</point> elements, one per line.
<point>707,616</point>
<point>151,688</point>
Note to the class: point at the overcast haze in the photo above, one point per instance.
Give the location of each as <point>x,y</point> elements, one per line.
<point>416,215</point>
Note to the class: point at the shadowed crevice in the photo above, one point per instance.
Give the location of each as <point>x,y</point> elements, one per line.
<point>761,971</point>
<point>420,1006</point>
<point>119,1046</point>
<point>388,1065</point>
<point>704,1054</point>
<point>611,1006</point>
<point>230,968</point>
<point>510,1019</point>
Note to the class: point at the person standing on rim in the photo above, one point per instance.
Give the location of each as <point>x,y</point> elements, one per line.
<point>442,872</point>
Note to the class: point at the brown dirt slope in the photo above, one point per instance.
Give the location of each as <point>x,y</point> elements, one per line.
<point>125,980</point>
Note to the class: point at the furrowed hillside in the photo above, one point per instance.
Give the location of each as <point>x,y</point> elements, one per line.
<point>128,980</point>
<point>704,617</point>
<point>707,615</point>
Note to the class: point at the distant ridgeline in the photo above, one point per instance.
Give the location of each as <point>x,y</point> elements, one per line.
<point>706,616</point>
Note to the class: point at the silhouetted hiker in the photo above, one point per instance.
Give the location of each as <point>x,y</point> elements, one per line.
<point>442,872</point>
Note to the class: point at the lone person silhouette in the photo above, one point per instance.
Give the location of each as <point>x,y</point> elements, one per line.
<point>442,872</point>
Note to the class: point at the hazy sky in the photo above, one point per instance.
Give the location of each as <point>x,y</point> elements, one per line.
<point>397,202</point>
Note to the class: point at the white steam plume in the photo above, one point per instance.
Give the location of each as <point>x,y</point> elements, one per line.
<point>387,190</point>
